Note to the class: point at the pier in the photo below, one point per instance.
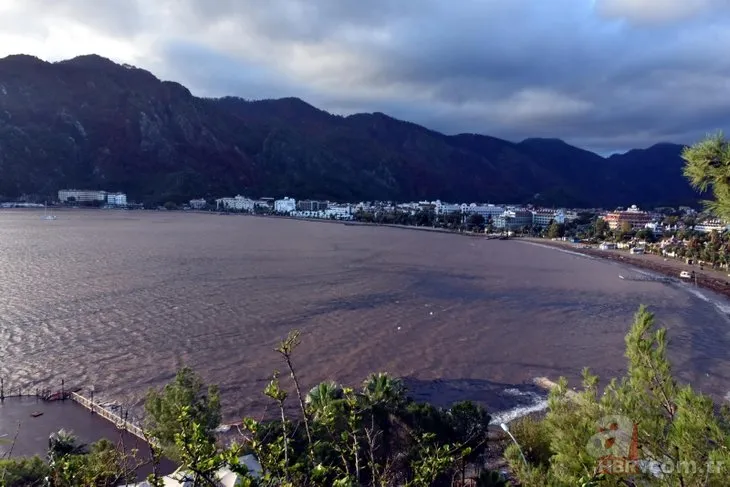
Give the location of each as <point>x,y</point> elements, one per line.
<point>121,423</point>
<point>46,396</point>
<point>28,416</point>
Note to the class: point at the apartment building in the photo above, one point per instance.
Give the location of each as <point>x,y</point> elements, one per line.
<point>708,226</point>
<point>311,205</point>
<point>487,211</point>
<point>81,196</point>
<point>287,205</point>
<point>543,218</point>
<point>239,203</point>
<point>116,199</point>
<point>339,212</point>
<point>633,216</point>
<point>514,219</point>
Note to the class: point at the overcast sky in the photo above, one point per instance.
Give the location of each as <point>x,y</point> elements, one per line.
<point>607,75</point>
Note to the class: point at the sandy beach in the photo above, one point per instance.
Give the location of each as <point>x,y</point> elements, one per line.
<point>713,280</point>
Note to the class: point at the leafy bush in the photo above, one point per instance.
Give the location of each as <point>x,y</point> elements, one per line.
<point>23,472</point>
<point>533,436</point>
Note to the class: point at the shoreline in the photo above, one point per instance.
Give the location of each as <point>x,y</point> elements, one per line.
<point>711,280</point>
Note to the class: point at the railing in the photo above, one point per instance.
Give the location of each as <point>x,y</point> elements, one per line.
<point>115,419</point>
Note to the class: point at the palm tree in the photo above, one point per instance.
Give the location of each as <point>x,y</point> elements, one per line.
<point>322,398</point>
<point>385,397</point>
<point>383,390</point>
<point>63,443</point>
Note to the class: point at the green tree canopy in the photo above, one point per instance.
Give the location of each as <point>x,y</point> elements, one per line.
<point>165,407</point>
<point>555,230</point>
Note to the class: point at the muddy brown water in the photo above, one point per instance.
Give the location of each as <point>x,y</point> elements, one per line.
<point>120,299</point>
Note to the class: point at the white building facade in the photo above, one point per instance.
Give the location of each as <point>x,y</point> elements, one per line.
<point>287,205</point>
<point>339,212</point>
<point>487,211</point>
<point>81,195</point>
<point>543,218</point>
<point>198,204</point>
<point>514,219</point>
<point>239,203</point>
<point>708,226</point>
<point>116,199</point>
<point>441,208</point>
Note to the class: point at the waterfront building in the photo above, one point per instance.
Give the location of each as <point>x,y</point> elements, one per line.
<point>81,196</point>
<point>265,204</point>
<point>655,228</point>
<point>633,216</point>
<point>116,199</point>
<point>198,204</point>
<point>514,219</point>
<point>441,208</point>
<point>311,205</point>
<point>708,226</point>
<point>487,211</point>
<point>239,203</point>
<point>543,218</point>
<point>287,205</point>
<point>339,212</point>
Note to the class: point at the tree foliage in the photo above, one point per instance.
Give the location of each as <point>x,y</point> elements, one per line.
<point>555,230</point>
<point>186,392</point>
<point>707,167</point>
<point>676,435</point>
<point>23,472</point>
<point>374,436</point>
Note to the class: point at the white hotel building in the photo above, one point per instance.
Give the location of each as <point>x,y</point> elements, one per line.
<point>708,226</point>
<point>116,199</point>
<point>543,218</point>
<point>514,219</point>
<point>287,205</point>
<point>90,196</point>
<point>81,195</point>
<point>240,203</point>
<point>487,211</point>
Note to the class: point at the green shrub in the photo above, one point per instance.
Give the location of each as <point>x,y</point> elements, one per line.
<point>534,438</point>
<point>23,472</point>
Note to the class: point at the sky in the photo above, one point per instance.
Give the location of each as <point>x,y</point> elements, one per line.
<point>607,75</point>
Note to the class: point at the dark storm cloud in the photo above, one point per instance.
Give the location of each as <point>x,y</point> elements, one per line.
<point>607,74</point>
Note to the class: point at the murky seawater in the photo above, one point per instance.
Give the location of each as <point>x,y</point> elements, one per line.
<point>121,299</point>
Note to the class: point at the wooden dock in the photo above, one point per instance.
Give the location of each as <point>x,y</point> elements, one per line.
<point>118,421</point>
<point>72,394</point>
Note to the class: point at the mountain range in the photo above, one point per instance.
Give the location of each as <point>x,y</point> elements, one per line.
<point>91,123</point>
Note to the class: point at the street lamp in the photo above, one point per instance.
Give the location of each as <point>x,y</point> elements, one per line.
<point>506,430</point>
